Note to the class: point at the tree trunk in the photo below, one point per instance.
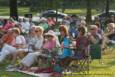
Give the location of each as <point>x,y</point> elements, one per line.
<point>63,6</point>
<point>56,8</point>
<point>88,16</point>
<point>13,9</point>
<point>107,8</point>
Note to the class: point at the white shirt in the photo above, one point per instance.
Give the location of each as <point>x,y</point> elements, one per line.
<point>25,27</point>
<point>20,40</point>
<point>39,42</point>
<point>36,42</point>
<point>31,40</point>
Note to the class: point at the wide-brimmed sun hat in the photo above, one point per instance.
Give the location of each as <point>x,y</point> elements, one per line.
<point>50,33</point>
<point>93,27</point>
<point>16,30</point>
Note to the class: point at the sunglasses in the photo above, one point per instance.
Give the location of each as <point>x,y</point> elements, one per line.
<point>36,31</point>
<point>92,29</point>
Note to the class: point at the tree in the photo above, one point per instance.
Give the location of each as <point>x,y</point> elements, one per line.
<point>107,8</point>
<point>13,9</point>
<point>88,16</point>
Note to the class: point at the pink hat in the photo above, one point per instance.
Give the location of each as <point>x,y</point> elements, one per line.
<point>51,33</point>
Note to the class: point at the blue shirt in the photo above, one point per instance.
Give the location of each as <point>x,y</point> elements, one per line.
<point>73,30</point>
<point>66,51</point>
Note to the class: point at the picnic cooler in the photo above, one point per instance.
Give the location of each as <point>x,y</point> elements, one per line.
<point>95,51</point>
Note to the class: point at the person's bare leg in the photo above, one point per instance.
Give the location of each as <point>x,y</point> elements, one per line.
<point>14,58</point>
<point>15,55</point>
<point>25,68</point>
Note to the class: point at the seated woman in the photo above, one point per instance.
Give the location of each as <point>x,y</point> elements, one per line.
<point>8,48</point>
<point>49,44</point>
<point>81,48</point>
<point>65,43</point>
<point>110,34</point>
<point>95,46</point>
<point>82,43</point>
<point>7,38</point>
<point>35,42</point>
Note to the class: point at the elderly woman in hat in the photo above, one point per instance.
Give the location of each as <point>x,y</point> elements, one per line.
<point>7,38</point>
<point>50,41</point>
<point>18,42</point>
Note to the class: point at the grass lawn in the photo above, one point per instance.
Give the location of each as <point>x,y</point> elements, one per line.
<point>81,11</point>
<point>96,69</point>
<point>4,11</point>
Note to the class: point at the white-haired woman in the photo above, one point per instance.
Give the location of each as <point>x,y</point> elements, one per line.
<point>110,34</point>
<point>95,43</point>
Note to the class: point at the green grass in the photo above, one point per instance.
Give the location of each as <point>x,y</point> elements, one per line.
<point>96,69</point>
<point>79,11</point>
<point>4,11</point>
<point>13,74</point>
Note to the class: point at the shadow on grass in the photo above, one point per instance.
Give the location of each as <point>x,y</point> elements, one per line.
<point>112,63</point>
<point>13,74</point>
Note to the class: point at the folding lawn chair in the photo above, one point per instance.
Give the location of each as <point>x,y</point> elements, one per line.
<point>79,62</point>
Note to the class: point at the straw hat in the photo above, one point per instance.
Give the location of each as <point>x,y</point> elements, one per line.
<point>93,27</point>
<point>16,30</point>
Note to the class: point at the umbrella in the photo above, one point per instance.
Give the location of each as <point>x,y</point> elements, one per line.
<point>53,13</point>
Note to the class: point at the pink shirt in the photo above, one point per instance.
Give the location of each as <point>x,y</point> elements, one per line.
<point>8,25</point>
<point>49,45</point>
<point>51,22</point>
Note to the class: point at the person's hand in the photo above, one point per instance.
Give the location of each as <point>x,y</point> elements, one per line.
<point>62,45</point>
<point>89,34</point>
<point>74,43</point>
<point>16,46</point>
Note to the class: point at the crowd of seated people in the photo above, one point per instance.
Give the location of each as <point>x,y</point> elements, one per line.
<point>39,44</point>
